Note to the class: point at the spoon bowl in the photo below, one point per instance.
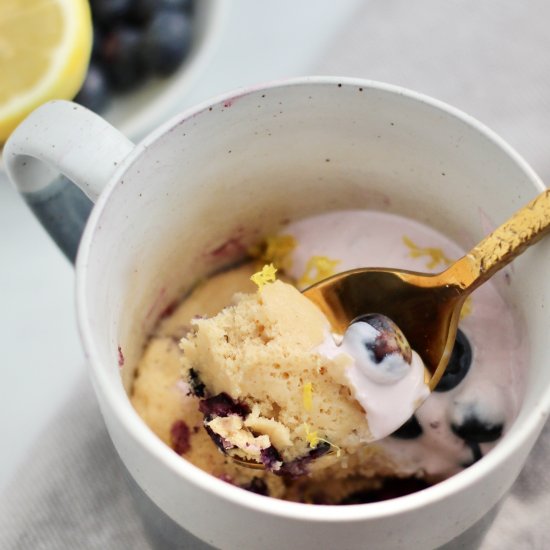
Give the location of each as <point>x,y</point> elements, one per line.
<point>424,306</point>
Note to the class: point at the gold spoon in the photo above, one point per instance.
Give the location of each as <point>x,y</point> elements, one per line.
<point>426,307</point>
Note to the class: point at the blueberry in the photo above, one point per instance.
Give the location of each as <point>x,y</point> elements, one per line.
<point>222,405</point>
<point>180,436</point>
<point>379,348</point>
<point>271,458</point>
<point>459,364</point>
<point>121,56</point>
<point>197,386</point>
<point>473,428</point>
<point>97,40</point>
<point>293,469</point>
<point>391,339</point>
<point>108,12</point>
<point>167,41</point>
<point>257,485</point>
<point>300,466</point>
<point>141,11</point>
<point>410,430</point>
<point>182,5</point>
<point>391,488</point>
<point>94,93</point>
<point>476,453</point>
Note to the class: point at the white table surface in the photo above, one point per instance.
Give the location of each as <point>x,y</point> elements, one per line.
<point>41,354</point>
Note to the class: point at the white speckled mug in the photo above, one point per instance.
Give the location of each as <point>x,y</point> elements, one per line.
<point>239,166</point>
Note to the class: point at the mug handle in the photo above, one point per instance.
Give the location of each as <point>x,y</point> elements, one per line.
<point>60,158</point>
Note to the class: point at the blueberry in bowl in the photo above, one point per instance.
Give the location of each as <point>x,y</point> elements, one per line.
<point>166,41</point>
<point>474,420</point>
<point>146,54</point>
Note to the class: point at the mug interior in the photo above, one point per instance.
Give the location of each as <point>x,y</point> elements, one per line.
<point>206,186</point>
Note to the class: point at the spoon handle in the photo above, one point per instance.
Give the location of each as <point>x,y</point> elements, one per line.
<point>512,238</point>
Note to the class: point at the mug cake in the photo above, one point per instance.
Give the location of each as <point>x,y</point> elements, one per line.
<point>204,412</point>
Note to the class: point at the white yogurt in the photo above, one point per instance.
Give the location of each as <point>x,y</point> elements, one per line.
<point>390,390</point>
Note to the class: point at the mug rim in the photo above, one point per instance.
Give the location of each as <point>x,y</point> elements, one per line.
<point>139,431</point>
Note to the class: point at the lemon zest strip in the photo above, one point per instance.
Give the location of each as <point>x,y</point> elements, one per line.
<point>436,255</point>
<point>311,437</point>
<point>308,396</point>
<point>317,269</point>
<point>266,275</point>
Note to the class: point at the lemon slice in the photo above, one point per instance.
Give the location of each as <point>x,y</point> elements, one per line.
<point>44,53</point>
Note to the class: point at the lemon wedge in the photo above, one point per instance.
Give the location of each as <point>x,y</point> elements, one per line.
<point>44,53</point>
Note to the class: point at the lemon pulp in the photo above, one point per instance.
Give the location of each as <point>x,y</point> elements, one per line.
<point>44,53</point>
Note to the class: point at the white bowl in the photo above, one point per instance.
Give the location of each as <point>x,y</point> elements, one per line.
<point>137,113</point>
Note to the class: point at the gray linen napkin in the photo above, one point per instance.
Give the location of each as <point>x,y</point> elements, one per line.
<point>489,58</point>
<point>71,492</point>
